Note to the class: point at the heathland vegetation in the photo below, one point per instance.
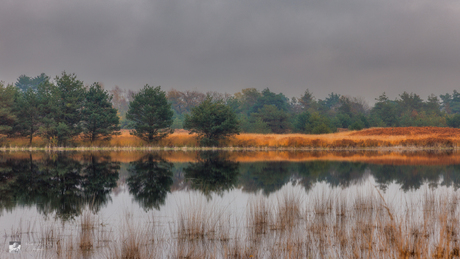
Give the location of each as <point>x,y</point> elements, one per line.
<point>64,112</point>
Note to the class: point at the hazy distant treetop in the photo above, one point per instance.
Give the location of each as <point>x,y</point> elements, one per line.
<point>307,100</point>
<point>331,102</point>
<point>24,82</point>
<point>270,98</point>
<point>410,102</point>
<point>183,102</point>
<point>451,103</point>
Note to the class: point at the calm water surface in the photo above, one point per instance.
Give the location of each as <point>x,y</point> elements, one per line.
<point>58,187</point>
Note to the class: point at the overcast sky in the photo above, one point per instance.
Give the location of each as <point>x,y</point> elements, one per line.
<point>353,47</point>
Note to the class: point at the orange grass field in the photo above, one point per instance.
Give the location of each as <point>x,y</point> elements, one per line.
<point>401,137</point>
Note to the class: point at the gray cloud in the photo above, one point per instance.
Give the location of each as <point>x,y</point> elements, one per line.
<point>354,47</point>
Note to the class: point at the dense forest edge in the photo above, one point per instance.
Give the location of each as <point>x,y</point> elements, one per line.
<point>64,113</point>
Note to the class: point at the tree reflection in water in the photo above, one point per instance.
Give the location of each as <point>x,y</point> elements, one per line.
<point>213,173</point>
<point>271,176</point>
<point>150,180</point>
<point>266,176</point>
<point>61,185</point>
<point>57,184</point>
<point>100,177</point>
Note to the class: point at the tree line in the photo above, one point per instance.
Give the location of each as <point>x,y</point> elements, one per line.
<point>58,110</point>
<point>64,108</point>
<point>268,112</point>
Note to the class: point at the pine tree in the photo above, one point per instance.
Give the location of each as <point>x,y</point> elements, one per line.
<point>212,121</point>
<point>276,119</point>
<point>100,119</point>
<point>48,106</point>
<point>65,106</point>
<point>7,116</point>
<point>28,110</point>
<point>151,114</point>
<point>24,82</point>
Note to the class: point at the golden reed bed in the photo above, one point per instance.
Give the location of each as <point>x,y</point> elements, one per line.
<point>403,137</point>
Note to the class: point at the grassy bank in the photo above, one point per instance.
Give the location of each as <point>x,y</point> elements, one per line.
<point>402,138</point>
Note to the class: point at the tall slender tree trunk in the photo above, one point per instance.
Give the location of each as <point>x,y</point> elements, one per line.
<point>31,136</point>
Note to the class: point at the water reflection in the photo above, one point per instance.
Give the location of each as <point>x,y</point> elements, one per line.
<point>57,184</point>
<point>412,177</point>
<point>269,177</point>
<point>213,173</point>
<point>266,176</point>
<point>100,176</point>
<point>150,180</point>
<point>62,184</point>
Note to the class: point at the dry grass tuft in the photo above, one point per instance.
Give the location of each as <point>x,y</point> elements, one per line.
<point>200,221</point>
<point>259,216</point>
<point>87,226</point>
<point>288,211</point>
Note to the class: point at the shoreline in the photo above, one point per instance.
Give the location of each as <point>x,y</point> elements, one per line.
<point>231,149</point>
<point>404,138</point>
<point>394,156</point>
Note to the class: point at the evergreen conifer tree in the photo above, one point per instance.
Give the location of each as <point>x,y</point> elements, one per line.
<point>212,121</point>
<point>28,110</point>
<point>151,114</point>
<point>100,119</point>
<point>63,117</point>
<point>7,116</point>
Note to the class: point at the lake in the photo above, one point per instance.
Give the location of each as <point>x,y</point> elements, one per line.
<point>271,204</point>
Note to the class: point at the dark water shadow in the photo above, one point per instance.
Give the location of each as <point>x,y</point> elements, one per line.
<point>63,184</point>
<point>57,184</point>
<point>150,180</point>
<point>213,173</point>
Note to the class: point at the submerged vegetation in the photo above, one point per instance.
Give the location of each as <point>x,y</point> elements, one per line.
<point>325,223</point>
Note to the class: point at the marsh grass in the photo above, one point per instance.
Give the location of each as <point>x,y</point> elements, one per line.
<point>86,235</point>
<point>330,223</point>
<point>259,216</point>
<point>288,210</point>
<point>202,221</point>
<point>402,137</point>
<point>195,223</point>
